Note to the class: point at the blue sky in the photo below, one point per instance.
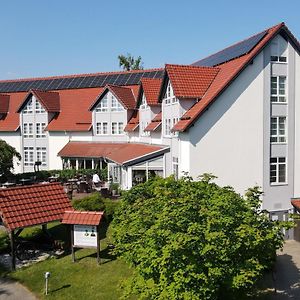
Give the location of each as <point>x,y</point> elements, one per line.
<point>44,38</point>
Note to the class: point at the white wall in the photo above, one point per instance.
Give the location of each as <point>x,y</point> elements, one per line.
<point>58,139</point>
<point>297,128</point>
<point>227,139</point>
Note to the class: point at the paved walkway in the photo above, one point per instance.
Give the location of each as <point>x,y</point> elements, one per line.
<point>287,277</point>
<point>11,290</point>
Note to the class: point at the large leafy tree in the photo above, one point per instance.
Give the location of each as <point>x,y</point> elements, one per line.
<point>194,239</point>
<point>7,155</point>
<point>128,62</point>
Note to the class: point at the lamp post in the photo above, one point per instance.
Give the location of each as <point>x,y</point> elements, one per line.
<point>47,276</point>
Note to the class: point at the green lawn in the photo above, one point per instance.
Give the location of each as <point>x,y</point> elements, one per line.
<point>84,279</point>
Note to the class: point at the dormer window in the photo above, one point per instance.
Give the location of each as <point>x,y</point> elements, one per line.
<point>115,104</point>
<point>278,50</point>
<point>28,108</point>
<point>39,108</point>
<point>103,105</point>
<point>169,96</point>
<point>144,104</point>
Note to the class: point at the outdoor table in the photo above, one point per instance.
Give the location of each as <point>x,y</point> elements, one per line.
<point>25,181</point>
<point>8,184</point>
<point>53,178</point>
<point>83,186</point>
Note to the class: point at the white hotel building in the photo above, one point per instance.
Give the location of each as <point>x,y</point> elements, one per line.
<point>235,114</point>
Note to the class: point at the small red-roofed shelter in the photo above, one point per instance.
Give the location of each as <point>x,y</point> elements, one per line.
<point>26,206</point>
<point>85,229</point>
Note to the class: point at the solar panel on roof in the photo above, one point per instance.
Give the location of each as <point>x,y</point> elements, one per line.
<point>78,82</point>
<point>54,84</point>
<point>122,79</point>
<point>43,84</point>
<point>98,81</point>
<point>111,79</point>
<point>134,79</point>
<point>231,52</point>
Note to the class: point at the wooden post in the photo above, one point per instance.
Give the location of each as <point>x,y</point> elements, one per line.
<point>13,250</point>
<point>98,245</point>
<point>72,243</point>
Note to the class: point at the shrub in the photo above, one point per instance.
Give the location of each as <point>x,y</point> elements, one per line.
<point>93,202</point>
<point>110,207</point>
<point>194,239</point>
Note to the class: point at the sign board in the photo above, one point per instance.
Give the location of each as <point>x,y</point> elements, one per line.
<point>85,235</point>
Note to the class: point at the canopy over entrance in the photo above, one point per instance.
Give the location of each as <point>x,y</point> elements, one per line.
<point>120,153</point>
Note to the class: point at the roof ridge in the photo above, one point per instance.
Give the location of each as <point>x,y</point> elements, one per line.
<point>79,75</point>
<point>191,66</point>
<point>29,186</point>
<point>236,43</point>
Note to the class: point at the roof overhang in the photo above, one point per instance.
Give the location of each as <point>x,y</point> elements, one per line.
<point>124,154</point>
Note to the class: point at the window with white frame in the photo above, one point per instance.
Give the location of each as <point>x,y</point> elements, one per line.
<point>175,168</point>
<point>278,129</point>
<point>28,130</point>
<point>41,155</point>
<point>278,51</point>
<point>39,108</point>
<point>143,126</point>
<point>167,127</point>
<point>278,89</point>
<point>103,105</point>
<point>102,128</point>
<point>120,128</point>
<point>115,104</point>
<point>278,171</point>
<point>169,96</point>
<point>28,156</point>
<point>40,130</point>
<point>28,108</point>
<point>117,128</point>
<point>144,104</point>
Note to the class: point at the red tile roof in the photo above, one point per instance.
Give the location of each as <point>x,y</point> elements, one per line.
<point>296,204</point>
<point>11,121</point>
<point>82,217</point>
<point>133,123</point>
<point>190,81</point>
<point>32,205</point>
<point>124,94</point>
<point>155,123</point>
<point>74,110</point>
<point>120,153</point>
<point>4,103</point>
<point>228,72</point>
<point>151,89</point>
<point>49,100</point>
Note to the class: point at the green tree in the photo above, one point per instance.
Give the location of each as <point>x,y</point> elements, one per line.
<point>7,155</point>
<point>194,239</point>
<point>130,63</point>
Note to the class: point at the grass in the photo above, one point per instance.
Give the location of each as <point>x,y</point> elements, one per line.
<point>84,279</point>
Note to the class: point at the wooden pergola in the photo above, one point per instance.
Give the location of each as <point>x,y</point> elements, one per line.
<point>27,206</point>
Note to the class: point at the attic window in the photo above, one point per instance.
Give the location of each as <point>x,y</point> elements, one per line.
<point>115,104</point>
<point>169,96</point>
<point>39,108</point>
<point>28,108</point>
<point>144,103</point>
<point>279,50</point>
<point>103,105</point>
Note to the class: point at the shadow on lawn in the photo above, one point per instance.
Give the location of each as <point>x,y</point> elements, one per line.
<point>105,255</point>
<point>61,288</point>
